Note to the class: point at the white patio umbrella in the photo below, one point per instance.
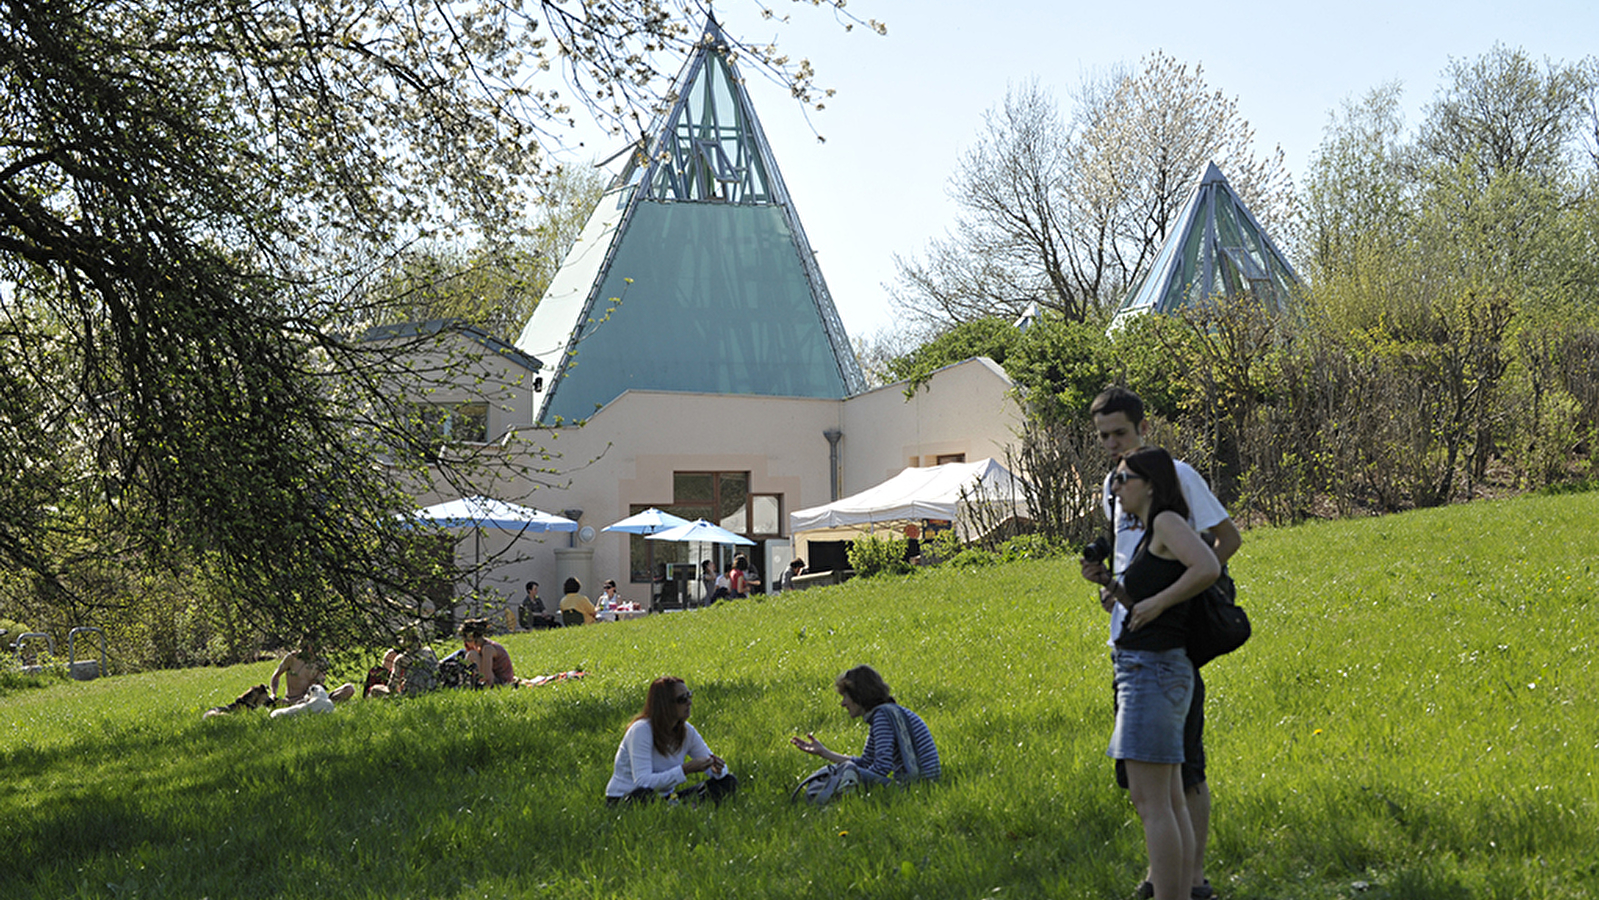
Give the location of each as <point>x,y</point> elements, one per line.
<point>703,532</point>
<point>486,512</point>
<point>700,531</point>
<point>481,512</point>
<point>650,521</point>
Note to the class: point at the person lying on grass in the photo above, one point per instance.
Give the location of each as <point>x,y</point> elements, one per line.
<point>862,692</point>
<point>660,750</point>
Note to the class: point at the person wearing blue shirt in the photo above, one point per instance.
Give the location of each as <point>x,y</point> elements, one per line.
<point>899,747</point>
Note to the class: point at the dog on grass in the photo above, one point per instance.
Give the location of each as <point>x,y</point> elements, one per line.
<point>316,700</point>
<point>254,698</point>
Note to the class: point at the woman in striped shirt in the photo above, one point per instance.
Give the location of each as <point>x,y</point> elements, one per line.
<point>899,747</point>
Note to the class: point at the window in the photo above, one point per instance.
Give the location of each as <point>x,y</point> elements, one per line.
<point>950,458</point>
<point>720,497</point>
<point>457,423</point>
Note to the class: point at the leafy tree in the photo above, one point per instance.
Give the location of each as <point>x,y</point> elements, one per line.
<point>492,287</point>
<point>1069,213</point>
<point>192,197</point>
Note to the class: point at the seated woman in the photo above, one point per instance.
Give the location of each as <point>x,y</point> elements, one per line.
<point>576,601</point>
<point>489,659</point>
<point>660,750</point>
<point>899,746</point>
<point>412,670</point>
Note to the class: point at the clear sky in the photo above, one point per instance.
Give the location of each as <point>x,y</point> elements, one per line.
<point>908,103</point>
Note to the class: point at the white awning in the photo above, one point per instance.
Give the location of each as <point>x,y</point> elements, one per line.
<point>933,492</point>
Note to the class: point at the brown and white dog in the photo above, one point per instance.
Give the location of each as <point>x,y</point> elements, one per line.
<point>254,698</point>
<point>315,701</point>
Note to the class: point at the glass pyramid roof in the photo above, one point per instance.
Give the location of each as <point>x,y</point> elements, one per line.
<point>1216,250</point>
<point>694,273</point>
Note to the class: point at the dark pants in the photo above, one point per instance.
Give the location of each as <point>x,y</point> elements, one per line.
<point>713,789</point>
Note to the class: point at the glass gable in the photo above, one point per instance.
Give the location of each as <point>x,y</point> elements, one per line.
<point>1217,250</point>
<point>712,299</point>
<point>701,278</point>
<point>709,151</point>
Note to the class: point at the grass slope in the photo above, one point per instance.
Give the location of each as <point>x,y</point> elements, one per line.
<point>1415,718</point>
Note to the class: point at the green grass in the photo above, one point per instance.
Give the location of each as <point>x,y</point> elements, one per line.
<point>1416,717</point>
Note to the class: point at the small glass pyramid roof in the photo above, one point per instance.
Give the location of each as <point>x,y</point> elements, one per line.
<point>1216,250</point>
<point>694,273</point>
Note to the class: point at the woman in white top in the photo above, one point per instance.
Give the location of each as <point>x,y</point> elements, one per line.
<point>660,750</point>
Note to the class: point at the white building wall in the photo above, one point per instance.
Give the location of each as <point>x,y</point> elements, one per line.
<point>627,453</point>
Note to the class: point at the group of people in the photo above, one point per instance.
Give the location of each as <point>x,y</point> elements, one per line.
<point>1171,539</point>
<point>740,579</point>
<point>660,749</point>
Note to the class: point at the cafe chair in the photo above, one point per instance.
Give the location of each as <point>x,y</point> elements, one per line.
<point>571,617</point>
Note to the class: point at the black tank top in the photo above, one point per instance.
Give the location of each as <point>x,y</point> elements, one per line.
<point>1146,576</point>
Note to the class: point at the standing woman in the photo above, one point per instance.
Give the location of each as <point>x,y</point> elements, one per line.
<point>1154,679</point>
<point>661,749</point>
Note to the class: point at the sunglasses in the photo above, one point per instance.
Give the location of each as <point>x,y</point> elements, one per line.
<point>685,697</point>
<point>1118,479</point>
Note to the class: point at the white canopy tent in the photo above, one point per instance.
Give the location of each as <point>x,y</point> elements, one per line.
<point>932,492</point>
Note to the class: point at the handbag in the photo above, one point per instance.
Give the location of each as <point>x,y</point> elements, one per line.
<point>1217,625</point>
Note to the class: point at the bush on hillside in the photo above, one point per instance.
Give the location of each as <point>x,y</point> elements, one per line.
<point>871,555</point>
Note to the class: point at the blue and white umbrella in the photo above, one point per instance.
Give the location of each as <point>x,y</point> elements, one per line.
<point>650,521</point>
<point>487,512</point>
<point>701,532</point>
<point>479,513</point>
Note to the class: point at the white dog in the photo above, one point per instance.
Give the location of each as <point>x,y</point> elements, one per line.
<point>315,701</point>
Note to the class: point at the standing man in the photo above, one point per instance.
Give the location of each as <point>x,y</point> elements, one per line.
<point>1118,415</point>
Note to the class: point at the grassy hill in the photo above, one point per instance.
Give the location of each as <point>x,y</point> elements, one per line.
<point>1416,717</point>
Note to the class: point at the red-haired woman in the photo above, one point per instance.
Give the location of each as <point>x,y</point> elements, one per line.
<point>661,749</point>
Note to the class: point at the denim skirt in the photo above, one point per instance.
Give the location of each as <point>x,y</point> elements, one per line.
<point>1153,689</point>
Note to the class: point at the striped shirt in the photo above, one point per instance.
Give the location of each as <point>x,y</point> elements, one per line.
<point>882,756</point>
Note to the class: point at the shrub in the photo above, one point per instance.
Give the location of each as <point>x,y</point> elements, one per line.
<point>871,555</point>
<point>1032,546</point>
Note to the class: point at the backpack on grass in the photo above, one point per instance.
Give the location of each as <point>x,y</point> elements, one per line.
<point>822,785</point>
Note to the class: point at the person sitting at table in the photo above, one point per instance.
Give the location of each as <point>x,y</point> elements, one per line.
<point>862,692</point>
<point>607,598</point>
<point>660,750</point>
<point>574,600</point>
<point>490,660</point>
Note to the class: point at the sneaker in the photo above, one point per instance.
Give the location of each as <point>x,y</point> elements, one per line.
<point>1146,891</point>
<point>1203,892</point>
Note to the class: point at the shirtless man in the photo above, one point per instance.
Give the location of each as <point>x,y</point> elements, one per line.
<point>301,669</point>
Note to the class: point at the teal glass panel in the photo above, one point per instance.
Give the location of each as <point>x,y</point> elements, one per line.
<point>718,303</point>
<point>1184,285</point>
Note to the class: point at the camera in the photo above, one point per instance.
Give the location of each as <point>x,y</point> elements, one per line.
<point>1098,550</point>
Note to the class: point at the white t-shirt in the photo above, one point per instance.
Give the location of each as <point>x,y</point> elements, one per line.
<point>639,765</point>
<point>1204,512</point>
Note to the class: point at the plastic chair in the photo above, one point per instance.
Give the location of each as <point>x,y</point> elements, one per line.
<point>570,617</point>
